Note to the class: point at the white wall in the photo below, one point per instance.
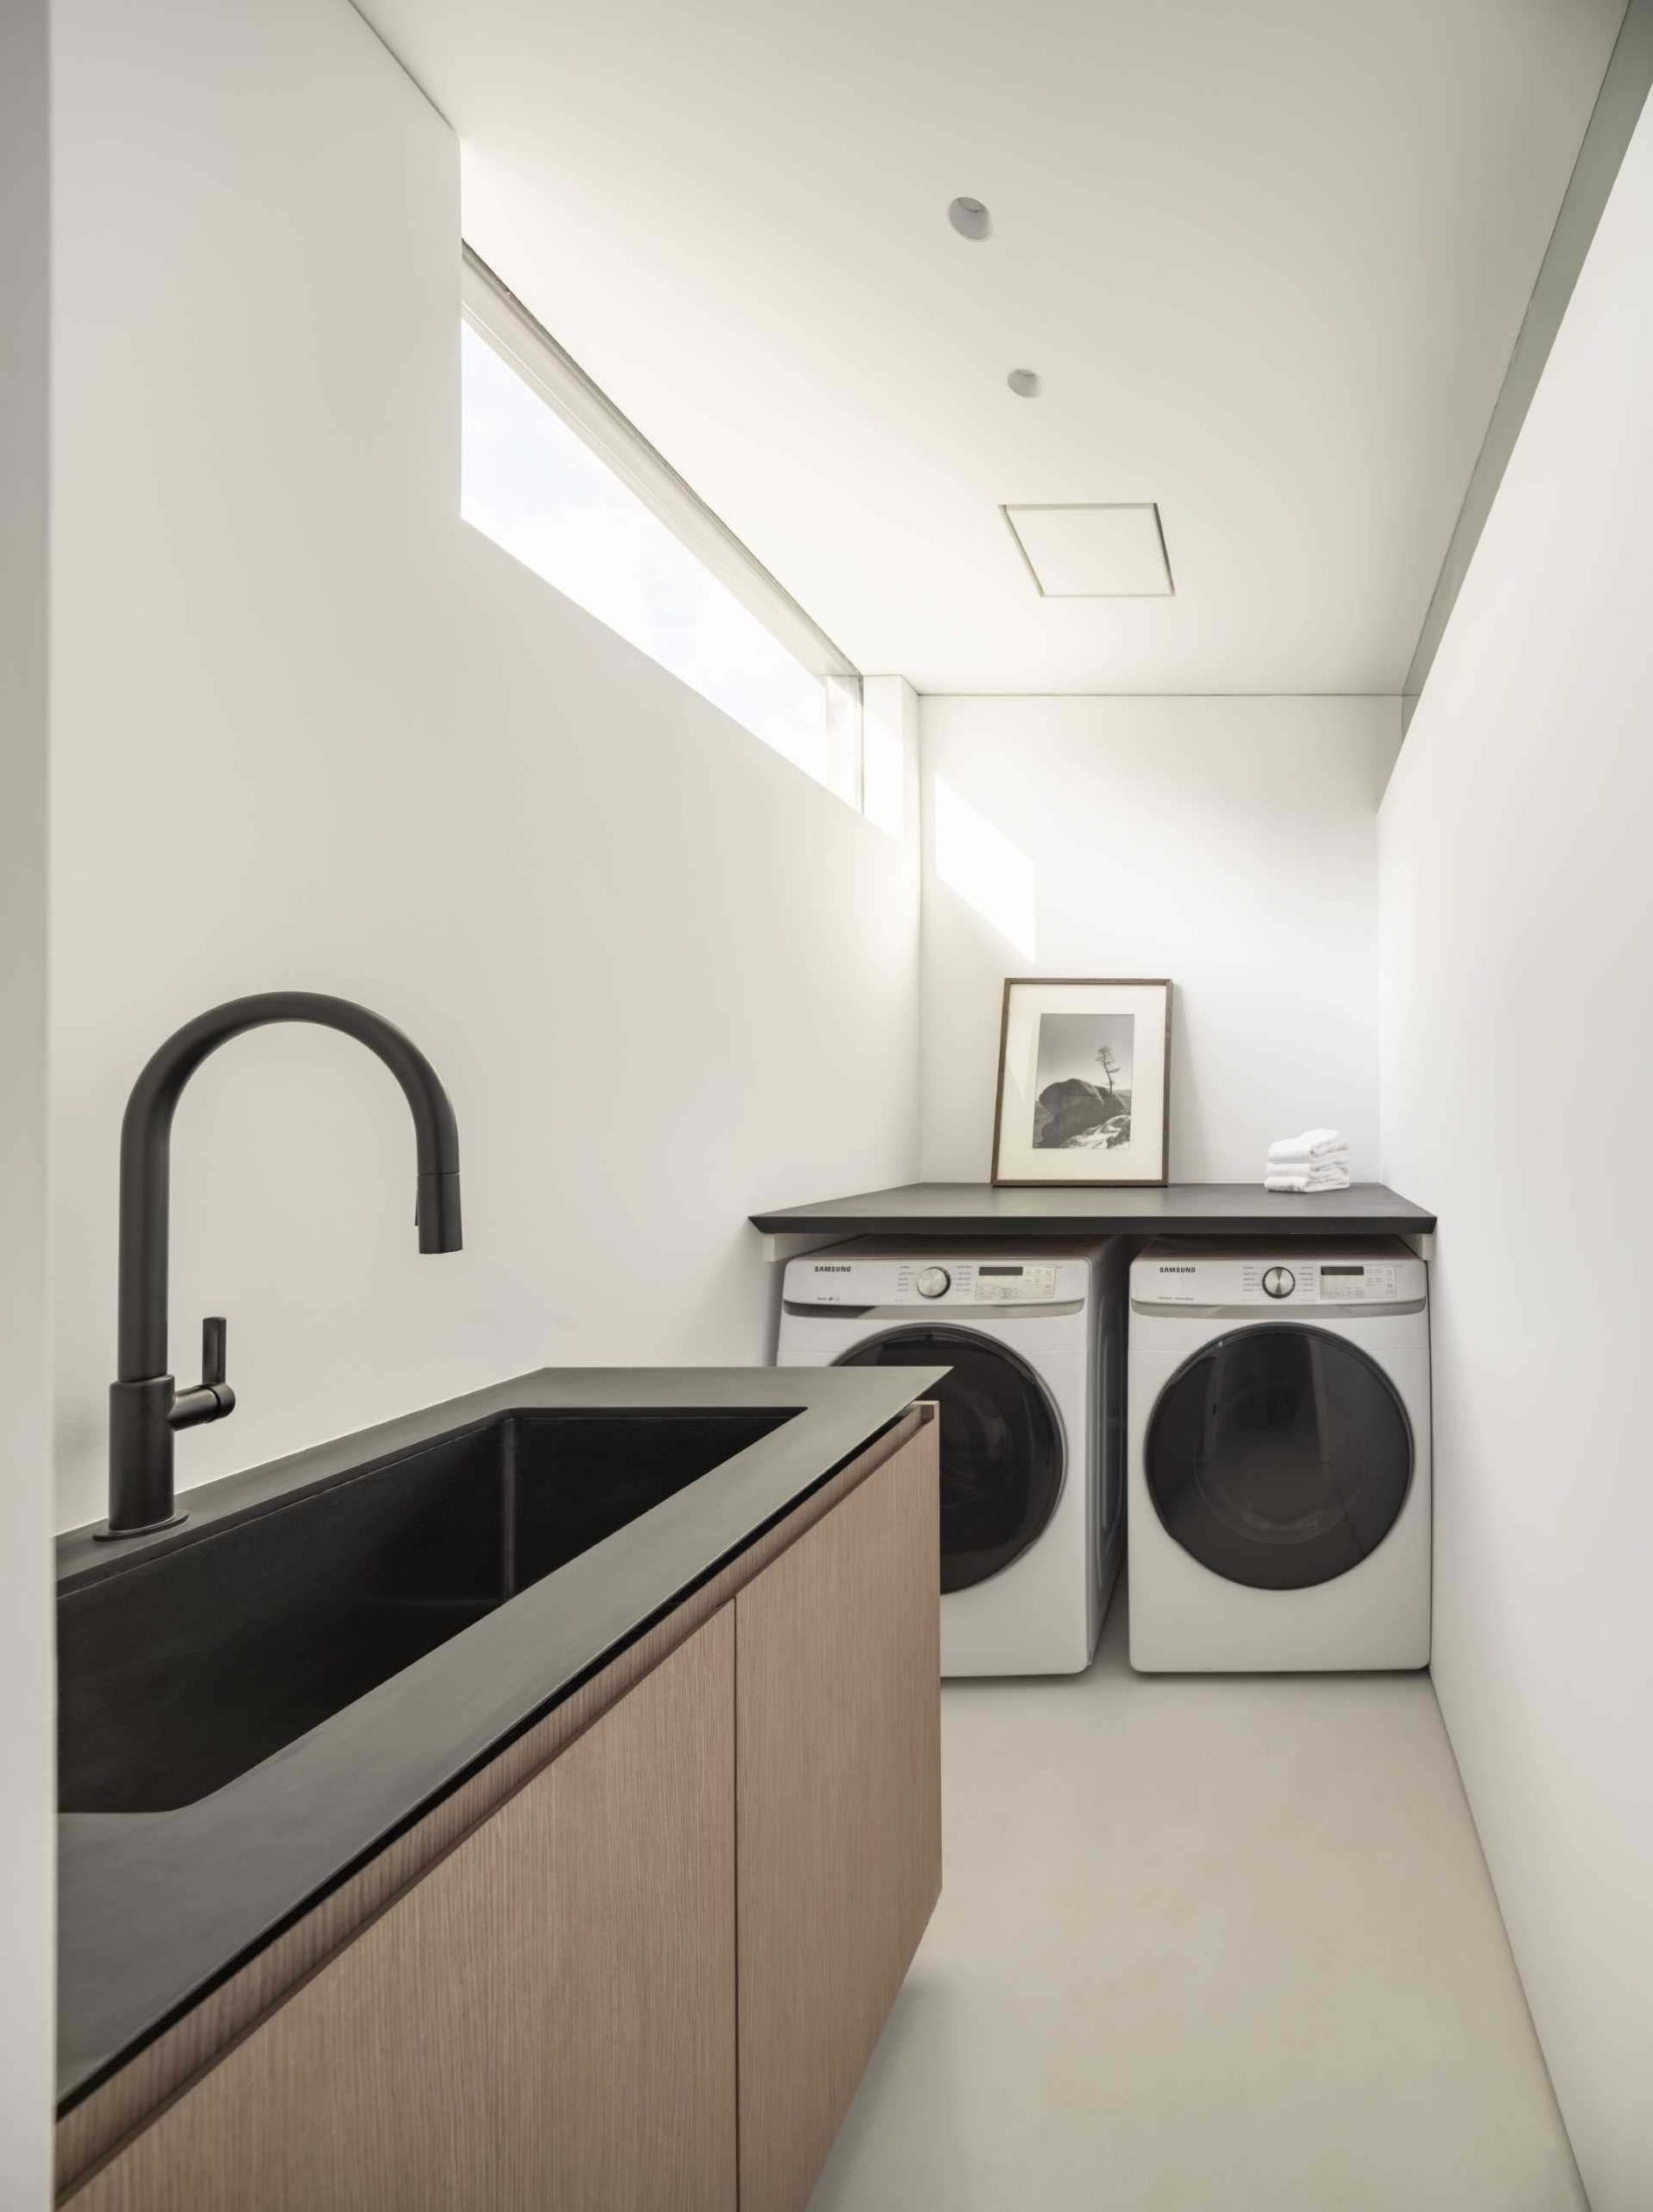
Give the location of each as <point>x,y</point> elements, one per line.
<point>1228,844</point>
<point>26,1830</point>
<point>1517,961</point>
<point>310,731</point>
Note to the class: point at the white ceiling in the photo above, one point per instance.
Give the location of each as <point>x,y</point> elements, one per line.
<point>1268,257</point>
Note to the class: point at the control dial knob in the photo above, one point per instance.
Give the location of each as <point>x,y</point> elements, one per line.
<point>1280,1282</point>
<point>933,1282</point>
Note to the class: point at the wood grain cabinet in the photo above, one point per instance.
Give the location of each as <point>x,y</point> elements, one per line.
<point>649,1978</point>
<point>838,1755</point>
<point>546,2019</point>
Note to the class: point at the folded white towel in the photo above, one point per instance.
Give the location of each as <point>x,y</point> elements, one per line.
<point>1313,1145</point>
<point>1305,1178</point>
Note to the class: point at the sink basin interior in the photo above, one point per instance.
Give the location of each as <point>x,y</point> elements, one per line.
<point>187,1668</point>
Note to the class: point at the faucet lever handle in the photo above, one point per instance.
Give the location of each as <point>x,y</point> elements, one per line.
<point>212,1397</point>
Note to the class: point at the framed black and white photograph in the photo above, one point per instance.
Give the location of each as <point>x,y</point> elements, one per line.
<point>1084,1072</point>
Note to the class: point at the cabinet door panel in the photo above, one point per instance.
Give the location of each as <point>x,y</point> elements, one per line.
<point>622,2001</point>
<point>838,1768</point>
<point>547,2019</point>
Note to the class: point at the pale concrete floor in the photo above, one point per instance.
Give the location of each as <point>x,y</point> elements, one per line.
<point>1205,1944</point>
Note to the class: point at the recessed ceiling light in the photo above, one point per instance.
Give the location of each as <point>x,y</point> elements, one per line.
<point>1094,552</point>
<point>970,219</point>
<point>1024,383</point>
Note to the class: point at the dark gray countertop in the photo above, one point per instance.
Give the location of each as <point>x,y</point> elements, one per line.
<point>1164,1210</point>
<point>155,1909</point>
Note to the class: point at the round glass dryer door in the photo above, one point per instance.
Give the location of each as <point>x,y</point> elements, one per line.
<point>1279,1456</point>
<point>1000,1445</point>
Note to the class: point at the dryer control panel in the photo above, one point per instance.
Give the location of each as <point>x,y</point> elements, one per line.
<point>1312,1281</point>
<point>1380,1271</point>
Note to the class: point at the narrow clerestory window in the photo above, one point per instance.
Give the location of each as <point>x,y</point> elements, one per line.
<point>553,473</point>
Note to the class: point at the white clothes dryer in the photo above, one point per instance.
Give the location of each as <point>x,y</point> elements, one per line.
<point>1032,1422</point>
<point>1279,1456</point>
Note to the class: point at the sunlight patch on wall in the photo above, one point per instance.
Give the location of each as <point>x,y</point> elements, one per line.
<point>883,755</point>
<point>988,871</point>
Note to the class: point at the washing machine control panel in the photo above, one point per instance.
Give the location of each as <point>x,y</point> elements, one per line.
<point>1014,1285</point>
<point>883,1281</point>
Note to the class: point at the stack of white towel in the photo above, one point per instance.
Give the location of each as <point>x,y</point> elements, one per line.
<point>1318,1160</point>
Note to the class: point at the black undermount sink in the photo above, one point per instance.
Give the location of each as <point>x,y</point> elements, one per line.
<point>184,1670</point>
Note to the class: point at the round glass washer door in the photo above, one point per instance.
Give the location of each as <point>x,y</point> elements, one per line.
<point>1279,1456</point>
<point>1002,1453</point>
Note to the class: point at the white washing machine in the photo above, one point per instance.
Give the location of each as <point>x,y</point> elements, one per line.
<point>1032,1422</point>
<point>1279,1462</point>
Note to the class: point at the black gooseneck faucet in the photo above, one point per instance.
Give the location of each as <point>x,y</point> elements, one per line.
<point>145,1405</point>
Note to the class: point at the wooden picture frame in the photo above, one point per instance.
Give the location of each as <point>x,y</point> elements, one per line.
<point>1054,1122</point>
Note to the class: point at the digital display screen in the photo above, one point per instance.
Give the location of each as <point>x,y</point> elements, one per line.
<point>1343,1271</point>
<point>999,1271</point>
